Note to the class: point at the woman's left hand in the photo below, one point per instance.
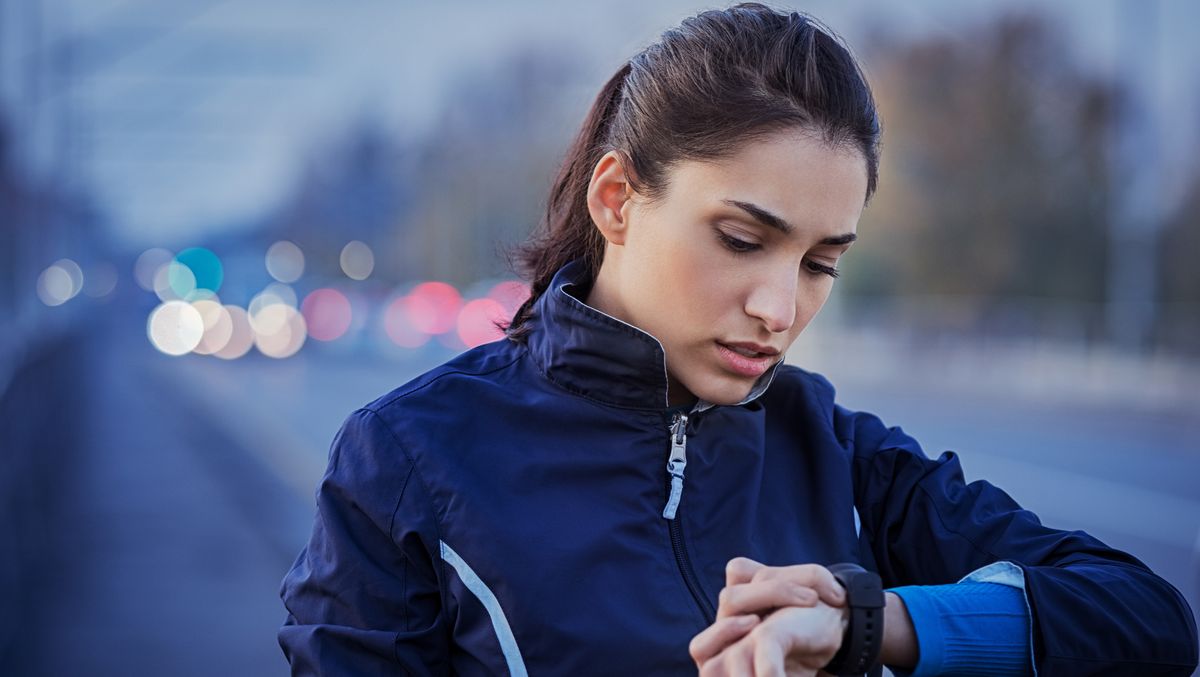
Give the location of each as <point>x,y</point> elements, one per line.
<point>791,642</point>
<point>803,607</point>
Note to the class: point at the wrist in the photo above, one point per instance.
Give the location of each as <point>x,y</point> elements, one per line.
<point>899,638</point>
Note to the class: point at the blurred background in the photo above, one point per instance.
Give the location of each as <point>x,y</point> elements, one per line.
<point>226,225</point>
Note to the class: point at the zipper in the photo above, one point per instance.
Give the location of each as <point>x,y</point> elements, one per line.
<point>676,463</point>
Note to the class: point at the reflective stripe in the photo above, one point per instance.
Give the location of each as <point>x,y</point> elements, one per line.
<point>508,643</point>
<point>857,522</point>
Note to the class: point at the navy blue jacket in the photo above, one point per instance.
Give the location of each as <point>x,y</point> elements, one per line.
<point>512,512</point>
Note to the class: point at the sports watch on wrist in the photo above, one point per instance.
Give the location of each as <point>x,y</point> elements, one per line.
<point>864,632</point>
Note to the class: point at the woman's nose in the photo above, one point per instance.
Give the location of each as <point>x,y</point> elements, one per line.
<point>774,302</point>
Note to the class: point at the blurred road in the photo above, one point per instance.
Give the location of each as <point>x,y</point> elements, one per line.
<point>171,542</point>
<point>192,492</point>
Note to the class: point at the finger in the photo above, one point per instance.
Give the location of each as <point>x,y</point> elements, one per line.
<point>763,597</point>
<point>716,637</point>
<point>814,576</point>
<point>768,657</point>
<point>735,661</point>
<point>741,570</point>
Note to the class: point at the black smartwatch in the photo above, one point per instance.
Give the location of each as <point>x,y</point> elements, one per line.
<point>864,632</point>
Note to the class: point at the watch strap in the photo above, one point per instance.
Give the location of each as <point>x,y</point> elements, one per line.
<point>864,631</point>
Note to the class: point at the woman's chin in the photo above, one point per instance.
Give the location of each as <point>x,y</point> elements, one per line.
<point>724,390</point>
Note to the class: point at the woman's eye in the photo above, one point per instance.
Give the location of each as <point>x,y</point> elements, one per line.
<point>736,245</point>
<point>820,269</point>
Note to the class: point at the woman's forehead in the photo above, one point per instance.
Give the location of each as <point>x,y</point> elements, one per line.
<point>790,182</point>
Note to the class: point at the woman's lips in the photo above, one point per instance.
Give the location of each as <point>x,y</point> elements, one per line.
<point>743,364</point>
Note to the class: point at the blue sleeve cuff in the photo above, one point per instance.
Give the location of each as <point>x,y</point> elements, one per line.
<point>979,626</point>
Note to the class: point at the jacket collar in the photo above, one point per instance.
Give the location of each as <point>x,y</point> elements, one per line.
<point>599,356</point>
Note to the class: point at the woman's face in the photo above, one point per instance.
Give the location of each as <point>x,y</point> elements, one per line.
<point>733,261</point>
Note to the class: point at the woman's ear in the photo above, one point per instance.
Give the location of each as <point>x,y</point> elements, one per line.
<point>608,198</point>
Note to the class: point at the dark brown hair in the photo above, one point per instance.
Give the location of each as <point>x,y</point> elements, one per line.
<point>718,80</point>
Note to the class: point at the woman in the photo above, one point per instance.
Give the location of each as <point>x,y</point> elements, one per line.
<point>632,482</point>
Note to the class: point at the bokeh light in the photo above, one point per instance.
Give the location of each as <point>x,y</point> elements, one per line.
<point>279,292</point>
<point>146,267</point>
<point>285,261</point>
<point>400,326</point>
<point>279,330</point>
<point>241,337</point>
<point>274,294</point>
<point>361,309</point>
<point>206,268</point>
<point>76,274</point>
<point>357,259</point>
<point>327,313</point>
<point>510,294</point>
<point>101,280</point>
<point>434,306</point>
<point>218,327</point>
<point>174,282</point>
<point>175,328</point>
<point>55,286</point>
<point>477,322</point>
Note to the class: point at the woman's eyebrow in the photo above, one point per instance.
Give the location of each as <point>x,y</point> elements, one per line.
<point>766,218</point>
<point>839,239</point>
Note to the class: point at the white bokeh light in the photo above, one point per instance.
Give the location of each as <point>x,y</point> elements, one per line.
<point>241,338</point>
<point>357,259</point>
<point>285,261</point>
<point>54,286</point>
<point>279,330</point>
<point>218,326</point>
<point>75,272</point>
<point>175,328</point>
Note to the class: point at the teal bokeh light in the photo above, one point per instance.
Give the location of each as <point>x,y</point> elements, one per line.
<point>204,265</point>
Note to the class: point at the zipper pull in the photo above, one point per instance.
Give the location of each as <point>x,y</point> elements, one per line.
<point>676,462</point>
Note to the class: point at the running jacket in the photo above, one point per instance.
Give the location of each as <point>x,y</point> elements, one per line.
<point>536,508</point>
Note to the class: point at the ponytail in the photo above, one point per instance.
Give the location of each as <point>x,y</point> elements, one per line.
<point>566,231</point>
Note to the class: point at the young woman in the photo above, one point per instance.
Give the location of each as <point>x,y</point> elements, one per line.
<point>633,483</point>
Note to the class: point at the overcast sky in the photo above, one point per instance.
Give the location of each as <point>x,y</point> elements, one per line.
<point>188,116</point>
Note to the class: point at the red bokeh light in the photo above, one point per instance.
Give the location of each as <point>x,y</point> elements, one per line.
<point>400,325</point>
<point>477,322</point>
<point>434,307</point>
<point>327,314</point>
<point>510,294</point>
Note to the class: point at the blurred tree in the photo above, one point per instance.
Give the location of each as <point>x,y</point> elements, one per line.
<point>994,182</point>
<point>487,167</point>
<point>446,204</point>
<point>356,188</point>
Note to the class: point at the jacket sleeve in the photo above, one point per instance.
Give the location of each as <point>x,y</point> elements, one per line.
<point>363,596</point>
<point>1095,610</point>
